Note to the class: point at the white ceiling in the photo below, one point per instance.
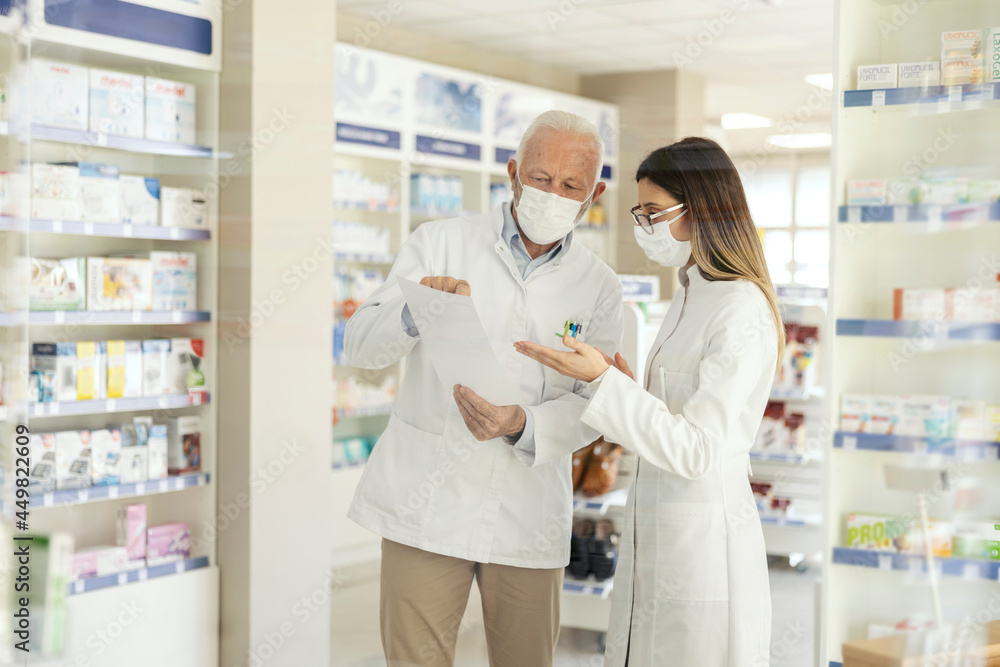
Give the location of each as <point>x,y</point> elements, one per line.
<point>756,63</point>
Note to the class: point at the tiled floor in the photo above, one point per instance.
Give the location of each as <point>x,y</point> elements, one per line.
<point>355,636</point>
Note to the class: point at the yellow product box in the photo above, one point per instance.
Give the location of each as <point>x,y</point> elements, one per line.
<point>116,369</point>
<point>115,283</point>
<point>993,425</point>
<point>962,44</point>
<point>895,535</point>
<point>961,71</point>
<point>86,371</point>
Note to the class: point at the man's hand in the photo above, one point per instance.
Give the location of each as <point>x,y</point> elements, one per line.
<point>485,420</point>
<point>447,284</point>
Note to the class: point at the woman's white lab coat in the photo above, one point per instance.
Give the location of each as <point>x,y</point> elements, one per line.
<point>691,587</point>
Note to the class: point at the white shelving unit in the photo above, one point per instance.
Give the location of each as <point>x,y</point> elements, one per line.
<point>181,599</point>
<point>890,134</point>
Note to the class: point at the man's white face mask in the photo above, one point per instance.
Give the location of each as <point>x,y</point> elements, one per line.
<point>545,217</point>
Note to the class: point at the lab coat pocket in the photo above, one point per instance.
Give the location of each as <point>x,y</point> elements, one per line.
<point>692,552</point>
<point>557,384</point>
<point>676,388</point>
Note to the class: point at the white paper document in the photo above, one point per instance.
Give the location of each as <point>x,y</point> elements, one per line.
<point>456,342</point>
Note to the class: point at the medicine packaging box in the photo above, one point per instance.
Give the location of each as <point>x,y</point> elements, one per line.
<point>73,459</point>
<point>98,561</point>
<point>993,55</point>
<point>874,77</point>
<point>968,419</point>
<point>925,416</point>
<point>66,383</point>
<point>60,94</point>
<point>134,465</point>
<point>58,284</point>
<point>962,44</point>
<point>88,370</point>
<point>167,543</point>
<point>170,111</point>
<point>132,530</point>
<point>117,103</point>
<point>874,532</point>
<point>139,200</point>
<point>42,459</point>
<point>962,71</point>
<point>992,420</point>
<point>157,452</point>
<point>184,445</point>
<point>99,192</point>
<point>885,416</point>
<point>175,280</point>
<point>105,457</point>
<point>118,283</point>
<point>870,192</point>
<point>855,411</point>
<point>183,207</point>
<point>155,367</point>
<point>43,372</point>
<point>133,369</point>
<point>919,75</point>
<point>55,192</point>
<point>116,368</point>
<point>184,374</point>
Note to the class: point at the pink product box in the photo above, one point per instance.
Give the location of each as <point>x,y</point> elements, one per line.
<point>132,530</point>
<point>98,561</point>
<point>167,543</point>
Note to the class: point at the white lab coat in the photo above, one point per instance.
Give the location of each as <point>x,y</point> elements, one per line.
<point>429,484</point>
<point>692,580</point>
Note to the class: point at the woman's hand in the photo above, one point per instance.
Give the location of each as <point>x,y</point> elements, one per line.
<point>619,363</point>
<point>584,363</point>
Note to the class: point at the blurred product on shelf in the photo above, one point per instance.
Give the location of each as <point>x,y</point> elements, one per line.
<point>769,504</point>
<point>117,103</point>
<point>499,193</point>
<point>170,111</point>
<point>98,561</point>
<point>597,216</point>
<point>947,304</point>
<point>919,75</point>
<point>183,445</point>
<point>913,642</point>
<point>873,77</point>
<point>600,471</point>
<point>58,284</point>
<point>183,207</point>
<point>168,543</point>
<point>964,61</point>
<point>98,193</point>
<point>119,283</point>
<point>781,431</point>
<point>352,189</point>
<point>436,194</point>
<point>47,589</point>
<point>132,532</point>
<point>42,460</point>
<point>339,329</point>
<point>139,200</point>
<point>55,192</point>
<point>977,540</point>
<point>357,237</point>
<point>352,287</point>
<point>175,280</point>
<point>348,451</point>
<point>798,367</point>
<point>59,94</point>
<point>920,416</point>
<point>354,394</point>
<point>945,187</point>
<point>593,549</point>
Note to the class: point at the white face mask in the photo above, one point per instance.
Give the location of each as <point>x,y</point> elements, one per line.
<point>545,217</point>
<point>661,246</point>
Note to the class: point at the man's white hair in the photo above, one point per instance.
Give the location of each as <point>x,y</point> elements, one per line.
<point>568,123</point>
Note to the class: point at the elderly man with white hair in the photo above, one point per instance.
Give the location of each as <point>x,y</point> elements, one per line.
<point>453,486</point>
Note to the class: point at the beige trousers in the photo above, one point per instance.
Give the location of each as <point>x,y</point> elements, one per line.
<point>423,599</point>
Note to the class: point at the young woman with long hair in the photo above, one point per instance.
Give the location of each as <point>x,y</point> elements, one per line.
<point>692,585</point>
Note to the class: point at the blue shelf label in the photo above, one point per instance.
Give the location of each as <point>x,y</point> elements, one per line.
<point>504,155</point>
<point>369,136</point>
<point>457,149</point>
<point>606,171</point>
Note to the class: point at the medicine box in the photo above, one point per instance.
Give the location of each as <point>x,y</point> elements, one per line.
<point>875,533</point>
<point>117,103</point>
<point>170,111</point>
<point>60,94</point>
<point>155,367</point>
<point>969,305</point>
<point>73,459</point>
<point>134,465</point>
<point>866,193</point>
<point>925,416</point>
<point>42,459</point>
<point>88,369</point>
<point>885,416</point>
<point>977,540</point>
<point>873,77</point>
<point>961,71</point>
<point>98,561</point>
<point>156,452</point>
<point>105,457</point>
<point>43,371</point>
<point>118,283</point>
<point>992,423</point>
<point>99,192</point>
<point>133,369</point>
<point>183,207</point>
<point>855,410</point>
<point>184,444</point>
<point>116,368</point>
<point>184,374</point>
<point>919,304</point>
<point>55,192</point>
<point>993,55</point>
<point>139,200</point>
<point>919,75</point>
<point>58,284</point>
<point>167,543</point>
<point>175,280</point>
<point>132,530</point>
<point>962,44</point>
<point>968,419</point>
<point>66,383</point>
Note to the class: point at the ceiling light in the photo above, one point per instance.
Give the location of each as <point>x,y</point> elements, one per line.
<point>744,121</point>
<point>811,140</point>
<point>821,80</point>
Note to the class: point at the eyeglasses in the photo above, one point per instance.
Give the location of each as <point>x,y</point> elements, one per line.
<point>646,221</point>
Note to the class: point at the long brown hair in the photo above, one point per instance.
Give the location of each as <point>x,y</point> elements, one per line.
<point>724,240</point>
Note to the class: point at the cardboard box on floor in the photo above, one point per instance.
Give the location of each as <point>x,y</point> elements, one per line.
<point>905,651</point>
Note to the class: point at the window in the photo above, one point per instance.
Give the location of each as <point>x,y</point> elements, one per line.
<point>791,208</point>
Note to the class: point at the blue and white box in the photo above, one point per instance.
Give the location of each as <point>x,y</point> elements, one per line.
<point>117,103</point>
<point>170,111</point>
<point>155,366</point>
<point>156,452</point>
<point>66,372</point>
<point>59,94</point>
<point>139,200</point>
<point>98,188</point>
<point>105,457</point>
<point>175,280</point>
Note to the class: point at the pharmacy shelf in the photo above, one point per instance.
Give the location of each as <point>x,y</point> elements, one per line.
<point>932,95</point>
<point>118,317</point>
<point>133,576</point>
<point>966,450</point>
<point>601,504</point>
<point>369,411</point>
<point>964,214</point>
<point>431,214</point>
<point>929,330</point>
<point>961,568</point>
<point>118,491</point>
<point>789,522</point>
<point>589,587</point>
<point>801,293</point>
<point>796,394</point>
<point>343,465</point>
<point>782,457</point>
<point>112,405</point>
<point>364,257</point>
<point>129,144</point>
<point>118,230</point>
<point>370,208</point>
